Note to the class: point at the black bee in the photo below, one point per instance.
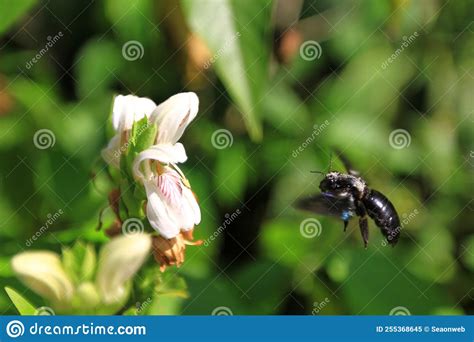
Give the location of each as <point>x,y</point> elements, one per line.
<point>346,195</point>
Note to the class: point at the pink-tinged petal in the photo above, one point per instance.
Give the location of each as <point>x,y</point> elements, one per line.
<point>111,154</point>
<point>164,153</point>
<point>174,115</point>
<point>130,108</point>
<point>159,214</point>
<point>190,211</point>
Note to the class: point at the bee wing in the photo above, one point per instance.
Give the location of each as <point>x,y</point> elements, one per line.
<point>326,205</point>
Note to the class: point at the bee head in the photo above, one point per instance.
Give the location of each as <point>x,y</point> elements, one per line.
<point>331,182</point>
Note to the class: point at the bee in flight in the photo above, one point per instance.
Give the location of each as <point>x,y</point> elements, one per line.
<point>346,195</point>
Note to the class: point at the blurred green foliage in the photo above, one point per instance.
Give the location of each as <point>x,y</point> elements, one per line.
<point>243,59</point>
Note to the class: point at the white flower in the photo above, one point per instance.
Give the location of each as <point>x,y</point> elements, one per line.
<point>43,272</point>
<point>119,260</point>
<point>126,110</point>
<point>171,205</point>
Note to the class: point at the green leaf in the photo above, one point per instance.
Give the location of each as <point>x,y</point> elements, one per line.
<point>23,306</point>
<point>80,262</point>
<point>97,65</point>
<point>231,174</point>
<point>237,33</point>
<point>12,11</point>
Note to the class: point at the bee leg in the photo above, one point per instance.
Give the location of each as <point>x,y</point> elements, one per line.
<point>364,230</point>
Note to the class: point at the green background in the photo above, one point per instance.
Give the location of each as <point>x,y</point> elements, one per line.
<point>242,58</point>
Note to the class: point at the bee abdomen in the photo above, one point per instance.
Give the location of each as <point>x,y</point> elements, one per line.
<point>382,211</point>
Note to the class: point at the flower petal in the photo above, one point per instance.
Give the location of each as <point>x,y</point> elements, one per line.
<point>164,153</point>
<point>161,217</point>
<point>174,115</point>
<point>130,108</point>
<point>43,272</point>
<point>190,211</point>
<point>111,154</point>
<point>119,260</point>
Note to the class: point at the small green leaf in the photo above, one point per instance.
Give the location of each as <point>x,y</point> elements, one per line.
<point>23,306</point>
<point>12,11</point>
<point>239,41</point>
<point>80,262</point>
